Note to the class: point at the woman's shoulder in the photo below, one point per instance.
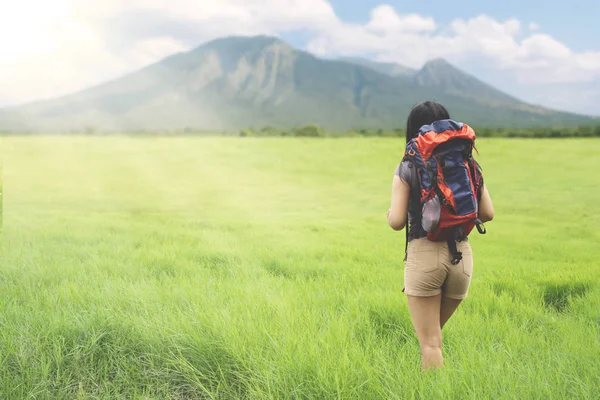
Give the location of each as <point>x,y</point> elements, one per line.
<point>405,171</point>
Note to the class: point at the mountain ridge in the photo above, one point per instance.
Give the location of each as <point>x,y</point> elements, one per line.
<point>387,68</point>
<point>240,81</point>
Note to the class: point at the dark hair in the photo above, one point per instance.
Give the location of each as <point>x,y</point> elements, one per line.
<point>424,113</point>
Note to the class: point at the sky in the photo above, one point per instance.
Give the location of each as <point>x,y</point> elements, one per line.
<point>544,52</point>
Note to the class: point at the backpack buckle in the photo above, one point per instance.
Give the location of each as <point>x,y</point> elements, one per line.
<point>456,255</point>
<point>456,258</point>
<point>480,227</point>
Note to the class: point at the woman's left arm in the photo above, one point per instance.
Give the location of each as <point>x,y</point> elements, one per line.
<point>396,215</point>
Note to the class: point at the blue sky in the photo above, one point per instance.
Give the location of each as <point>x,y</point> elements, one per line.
<point>575,23</point>
<point>544,52</point>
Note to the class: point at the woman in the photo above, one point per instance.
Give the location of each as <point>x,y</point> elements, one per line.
<point>433,285</point>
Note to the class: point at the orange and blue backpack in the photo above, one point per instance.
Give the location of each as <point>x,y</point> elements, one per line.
<point>450,182</point>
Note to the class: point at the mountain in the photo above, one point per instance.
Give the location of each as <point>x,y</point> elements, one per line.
<point>390,69</point>
<point>442,76</point>
<point>238,82</point>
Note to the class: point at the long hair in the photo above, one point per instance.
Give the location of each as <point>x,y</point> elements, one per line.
<point>424,113</point>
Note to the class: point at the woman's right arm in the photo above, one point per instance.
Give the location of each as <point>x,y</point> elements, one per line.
<point>486,208</point>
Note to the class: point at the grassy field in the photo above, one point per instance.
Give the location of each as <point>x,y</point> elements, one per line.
<point>237,268</point>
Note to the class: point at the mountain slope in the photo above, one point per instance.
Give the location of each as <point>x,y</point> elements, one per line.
<point>442,76</point>
<point>237,82</point>
<point>391,69</point>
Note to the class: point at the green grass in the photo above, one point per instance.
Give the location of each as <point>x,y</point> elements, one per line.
<point>184,268</point>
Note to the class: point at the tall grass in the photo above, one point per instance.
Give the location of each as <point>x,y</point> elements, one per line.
<point>263,268</point>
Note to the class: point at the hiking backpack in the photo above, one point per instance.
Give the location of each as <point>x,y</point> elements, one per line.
<point>450,182</point>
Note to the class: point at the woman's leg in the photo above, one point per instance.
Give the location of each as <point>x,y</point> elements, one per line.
<point>457,283</point>
<point>425,314</point>
<point>447,309</point>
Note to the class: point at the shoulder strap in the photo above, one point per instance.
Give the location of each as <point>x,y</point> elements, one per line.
<point>406,244</point>
<point>414,180</point>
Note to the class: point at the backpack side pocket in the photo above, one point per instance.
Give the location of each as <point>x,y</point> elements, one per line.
<point>431,214</point>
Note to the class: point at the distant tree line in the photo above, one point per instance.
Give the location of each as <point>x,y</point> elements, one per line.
<point>313,130</point>
<point>304,131</point>
<point>578,131</point>
<point>317,131</point>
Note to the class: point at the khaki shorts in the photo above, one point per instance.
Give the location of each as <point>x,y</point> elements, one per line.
<point>429,272</point>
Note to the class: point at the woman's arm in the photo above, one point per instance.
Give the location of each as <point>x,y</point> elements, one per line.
<point>486,208</point>
<point>396,215</point>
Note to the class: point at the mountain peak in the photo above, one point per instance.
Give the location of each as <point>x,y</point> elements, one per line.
<point>242,43</point>
<point>438,63</point>
<point>263,39</point>
<point>440,74</point>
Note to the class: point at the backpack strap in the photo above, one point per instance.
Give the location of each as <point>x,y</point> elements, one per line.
<point>456,255</point>
<point>406,244</point>
<point>405,158</point>
<point>414,181</point>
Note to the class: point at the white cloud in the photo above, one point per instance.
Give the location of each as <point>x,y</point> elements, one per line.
<point>289,13</point>
<point>540,46</point>
<point>44,52</point>
<point>27,27</point>
<point>52,48</point>
<point>151,50</point>
<point>207,18</point>
<point>532,57</point>
<point>384,19</point>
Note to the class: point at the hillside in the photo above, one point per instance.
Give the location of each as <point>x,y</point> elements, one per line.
<point>442,76</point>
<point>238,82</point>
<point>391,69</point>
